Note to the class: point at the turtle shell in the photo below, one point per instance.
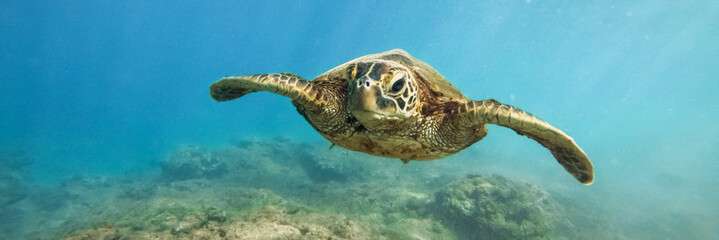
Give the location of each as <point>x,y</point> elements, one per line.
<point>434,81</point>
<point>424,72</point>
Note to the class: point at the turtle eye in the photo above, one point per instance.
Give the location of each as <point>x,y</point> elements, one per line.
<point>398,85</point>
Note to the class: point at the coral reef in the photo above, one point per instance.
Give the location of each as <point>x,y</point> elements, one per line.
<point>277,222</point>
<point>492,207</point>
<point>274,190</point>
<point>283,189</point>
<point>103,232</point>
<point>272,218</point>
<point>170,215</point>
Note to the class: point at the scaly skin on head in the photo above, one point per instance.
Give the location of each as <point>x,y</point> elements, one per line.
<point>379,94</point>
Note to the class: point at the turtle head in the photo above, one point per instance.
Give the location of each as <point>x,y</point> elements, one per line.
<point>381,90</point>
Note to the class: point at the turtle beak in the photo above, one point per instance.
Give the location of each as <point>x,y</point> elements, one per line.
<point>366,102</point>
<point>364,93</point>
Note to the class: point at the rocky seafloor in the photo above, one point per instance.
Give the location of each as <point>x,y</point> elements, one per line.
<point>283,189</point>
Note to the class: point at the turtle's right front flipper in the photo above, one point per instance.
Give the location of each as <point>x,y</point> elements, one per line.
<point>561,145</point>
<point>285,84</point>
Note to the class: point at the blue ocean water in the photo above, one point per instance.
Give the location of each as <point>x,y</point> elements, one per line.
<point>106,88</point>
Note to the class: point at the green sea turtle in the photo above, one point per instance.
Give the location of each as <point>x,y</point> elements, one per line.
<point>393,105</point>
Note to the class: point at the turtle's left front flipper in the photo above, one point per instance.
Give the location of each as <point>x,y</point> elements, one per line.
<point>285,84</point>
<point>562,146</point>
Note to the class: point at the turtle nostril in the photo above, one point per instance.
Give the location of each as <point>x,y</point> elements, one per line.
<point>366,83</point>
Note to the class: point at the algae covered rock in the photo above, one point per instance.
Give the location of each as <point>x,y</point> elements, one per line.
<point>289,190</point>
<point>271,218</point>
<point>481,207</point>
<point>276,222</point>
<point>172,216</point>
<point>103,232</point>
<point>193,162</point>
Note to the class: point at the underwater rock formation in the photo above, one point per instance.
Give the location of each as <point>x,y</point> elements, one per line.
<point>102,232</point>
<point>193,162</point>
<point>170,215</point>
<point>493,207</point>
<point>269,217</point>
<point>276,222</point>
<point>283,189</point>
<point>274,190</point>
